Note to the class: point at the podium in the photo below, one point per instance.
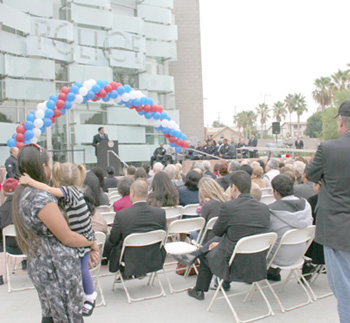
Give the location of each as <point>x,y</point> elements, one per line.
<point>106,159</point>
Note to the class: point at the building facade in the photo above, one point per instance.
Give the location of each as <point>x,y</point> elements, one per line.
<point>49,44</point>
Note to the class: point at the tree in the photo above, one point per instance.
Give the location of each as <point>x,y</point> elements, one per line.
<point>279,111</point>
<point>290,104</point>
<point>341,79</point>
<point>314,125</point>
<point>300,107</point>
<point>242,121</point>
<point>329,125</point>
<point>262,112</point>
<point>323,94</point>
<point>217,124</point>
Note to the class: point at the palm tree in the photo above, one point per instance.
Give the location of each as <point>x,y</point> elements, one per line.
<point>251,116</point>
<point>341,79</point>
<point>242,121</point>
<point>300,107</point>
<point>279,111</point>
<point>323,94</point>
<point>290,104</point>
<point>262,111</point>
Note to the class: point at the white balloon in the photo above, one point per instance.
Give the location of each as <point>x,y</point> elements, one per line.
<point>41,106</point>
<point>118,99</point>
<point>171,124</point>
<point>34,140</point>
<point>125,97</point>
<point>139,94</point>
<point>164,123</point>
<point>38,123</point>
<point>78,99</point>
<point>37,132</point>
<point>176,127</point>
<point>156,123</point>
<point>92,81</point>
<point>150,121</point>
<point>87,85</point>
<point>39,114</point>
<point>83,90</point>
<point>133,95</point>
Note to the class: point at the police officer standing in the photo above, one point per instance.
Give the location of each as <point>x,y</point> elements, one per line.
<point>11,163</point>
<point>158,154</point>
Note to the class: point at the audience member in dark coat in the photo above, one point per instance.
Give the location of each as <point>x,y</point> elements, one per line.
<point>110,181</point>
<point>189,193</point>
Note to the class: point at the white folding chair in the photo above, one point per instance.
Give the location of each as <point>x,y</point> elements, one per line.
<point>109,217</point>
<point>112,190</point>
<point>190,210</point>
<point>266,191</point>
<point>114,198</point>
<point>320,269</point>
<point>209,226</point>
<point>100,239</point>
<point>267,199</point>
<point>248,245</point>
<point>104,208</point>
<point>173,213</point>
<point>141,240</point>
<point>10,231</point>
<point>182,247</point>
<point>294,237</point>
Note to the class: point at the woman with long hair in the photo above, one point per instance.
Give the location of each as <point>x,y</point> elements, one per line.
<point>44,236</point>
<point>189,193</point>
<point>164,193</point>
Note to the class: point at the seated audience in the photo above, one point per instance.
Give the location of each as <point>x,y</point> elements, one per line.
<point>130,171</point>
<point>141,174</point>
<point>298,168</point>
<point>224,181</point>
<point>216,169</point>
<point>171,171</point>
<point>147,168</point>
<point>207,173</point>
<point>286,213</point>
<point>179,174</point>
<point>92,181</point>
<point>110,181</point>
<point>158,167</point>
<point>124,190</point>
<point>271,171</point>
<point>98,171</point>
<point>163,191</point>
<point>306,189</point>
<point>257,176</point>
<point>189,193</point>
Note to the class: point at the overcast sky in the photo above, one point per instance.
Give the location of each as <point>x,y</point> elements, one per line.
<point>256,50</point>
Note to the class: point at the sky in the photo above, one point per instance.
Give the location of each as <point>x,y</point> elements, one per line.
<point>256,51</point>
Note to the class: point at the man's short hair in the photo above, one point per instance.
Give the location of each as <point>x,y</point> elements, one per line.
<point>146,167</point>
<point>158,167</point>
<point>100,128</point>
<point>273,163</point>
<point>110,170</point>
<point>241,180</point>
<point>13,149</point>
<point>346,121</point>
<point>283,185</point>
<point>206,165</point>
<point>247,168</point>
<point>234,165</point>
<point>140,188</point>
<point>131,170</point>
<point>299,167</point>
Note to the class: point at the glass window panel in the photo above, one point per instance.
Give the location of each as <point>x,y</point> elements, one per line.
<point>83,72</point>
<point>11,43</point>
<point>14,18</point>
<point>35,7</point>
<point>160,83</point>
<point>154,14</point>
<point>30,90</point>
<point>161,32</point>
<point>8,115</point>
<point>92,17</point>
<point>160,3</point>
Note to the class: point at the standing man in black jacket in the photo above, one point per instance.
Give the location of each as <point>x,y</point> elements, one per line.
<point>331,166</point>
<point>253,142</point>
<point>99,137</point>
<point>11,163</point>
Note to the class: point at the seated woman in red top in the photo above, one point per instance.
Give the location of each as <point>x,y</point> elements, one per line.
<point>124,191</point>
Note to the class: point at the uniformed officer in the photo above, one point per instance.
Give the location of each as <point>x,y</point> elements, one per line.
<point>11,163</point>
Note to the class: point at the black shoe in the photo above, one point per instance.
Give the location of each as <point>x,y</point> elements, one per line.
<point>275,278</point>
<point>185,259</point>
<point>24,264</point>
<point>196,293</point>
<point>104,262</point>
<point>1,280</point>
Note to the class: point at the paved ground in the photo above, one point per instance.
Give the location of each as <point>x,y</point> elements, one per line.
<point>24,306</point>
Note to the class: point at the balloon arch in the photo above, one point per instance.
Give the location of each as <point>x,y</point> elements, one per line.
<point>48,111</point>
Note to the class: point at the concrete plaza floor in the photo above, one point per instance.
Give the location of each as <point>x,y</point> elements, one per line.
<point>23,306</point>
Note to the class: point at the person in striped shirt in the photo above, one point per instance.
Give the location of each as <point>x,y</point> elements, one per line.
<point>67,179</point>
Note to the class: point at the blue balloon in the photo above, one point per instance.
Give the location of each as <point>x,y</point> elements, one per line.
<point>158,128</point>
<point>43,129</point>
<point>165,130</point>
<point>63,111</point>
<point>47,122</point>
<point>143,100</point>
<point>29,134</point>
<point>70,96</point>
<point>127,88</point>
<point>172,144</point>
<point>163,115</point>
<point>150,101</point>
<point>31,117</point>
<point>27,142</point>
<point>183,137</point>
<point>95,88</point>
<point>136,102</point>
<point>113,94</point>
<point>156,115</point>
<point>29,125</point>
<point>51,104</point>
<point>178,134</point>
<point>14,136</point>
<point>100,84</point>
<point>49,113</point>
<point>141,113</point>
<point>11,142</point>
<point>105,82</point>
<point>90,95</point>
<point>67,105</point>
<point>172,132</point>
<point>149,115</point>
<point>106,98</point>
<point>74,89</point>
<point>84,100</point>
<point>53,98</point>
<point>168,118</point>
<point>121,90</point>
<point>127,104</point>
<point>178,149</point>
<point>78,84</point>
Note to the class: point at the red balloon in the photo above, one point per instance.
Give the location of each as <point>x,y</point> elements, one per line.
<point>102,94</point>
<point>154,108</point>
<point>108,88</point>
<point>95,98</point>
<point>172,139</point>
<point>19,145</point>
<point>19,137</point>
<point>147,108</point>
<point>287,155</point>
<point>166,135</point>
<point>62,96</point>
<point>53,119</point>
<point>119,84</point>
<point>132,107</point>
<point>185,144</point>
<point>114,85</point>
<point>65,90</point>
<point>60,104</point>
<point>179,142</point>
<point>139,108</point>
<point>57,112</point>
<point>21,129</point>
<point>159,108</point>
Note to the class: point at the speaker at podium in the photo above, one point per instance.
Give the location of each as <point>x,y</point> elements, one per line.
<point>105,158</point>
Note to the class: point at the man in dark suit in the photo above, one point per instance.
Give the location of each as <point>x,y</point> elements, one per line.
<point>158,154</point>
<point>253,142</point>
<point>99,137</point>
<point>139,218</point>
<point>299,144</point>
<point>11,163</point>
<point>238,218</point>
<point>331,165</point>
